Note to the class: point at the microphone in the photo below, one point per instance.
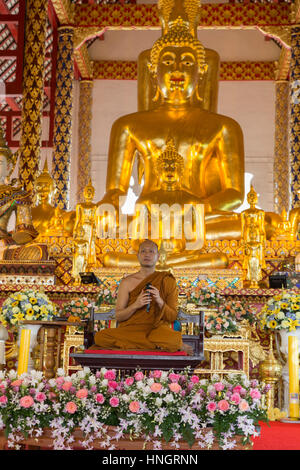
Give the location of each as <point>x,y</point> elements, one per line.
<point>148,285</point>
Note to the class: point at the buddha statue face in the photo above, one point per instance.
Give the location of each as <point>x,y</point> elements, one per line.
<point>169,171</point>
<point>43,190</point>
<point>89,193</point>
<point>177,73</point>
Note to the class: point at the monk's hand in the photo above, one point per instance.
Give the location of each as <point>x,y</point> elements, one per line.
<point>156,296</point>
<point>143,299</point>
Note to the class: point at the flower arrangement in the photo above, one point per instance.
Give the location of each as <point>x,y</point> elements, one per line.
<point>76,310</point>
<point>228,317</point>
<point>204,296</point>
<point>162,405</point>
<point>281,312</point>
<point>108,294</point>
<point>26,305</point>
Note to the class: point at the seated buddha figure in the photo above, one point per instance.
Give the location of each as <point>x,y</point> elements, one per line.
<point>13,199</point>
<point>210,144</point>
<point>173,218</point>
<point>85,227</point>
<point>45,216</point>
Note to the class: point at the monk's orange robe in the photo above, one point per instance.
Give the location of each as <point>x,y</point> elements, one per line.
<point>147,330</point>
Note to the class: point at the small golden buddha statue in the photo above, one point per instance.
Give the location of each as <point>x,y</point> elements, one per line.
<point>45,215</point>
<point>13,199</point>
<point>253,256</point>
<point>86,224</point>
<point>253,237</point>
<point>79,258</point>
<point>284,229</point>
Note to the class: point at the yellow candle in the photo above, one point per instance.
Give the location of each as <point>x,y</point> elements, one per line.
<point>293,359</point>
<point>24,351</point>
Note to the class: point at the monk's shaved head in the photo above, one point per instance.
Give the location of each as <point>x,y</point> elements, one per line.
<point>148,242</point>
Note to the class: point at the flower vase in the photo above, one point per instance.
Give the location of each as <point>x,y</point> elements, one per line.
<point>283,353</point>
<point>34,329</point>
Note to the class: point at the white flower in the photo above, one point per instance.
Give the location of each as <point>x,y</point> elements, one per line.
<point>126,398</point>
<point>158,402</point>
<point>15,310</point>
<point>169,398</point>
<point>60,372</point>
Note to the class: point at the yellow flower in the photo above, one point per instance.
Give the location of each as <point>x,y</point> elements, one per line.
<point>293,324</point>
<point>29,312</point>
<point>277,297</point>
<point>33,300</point>
<point>295,307</point>
<point>284,305</point>
<point>272,324</point>
<point>17,317</point>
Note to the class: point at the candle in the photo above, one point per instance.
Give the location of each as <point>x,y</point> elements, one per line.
<point>293,359</point>
<point>24,352</point>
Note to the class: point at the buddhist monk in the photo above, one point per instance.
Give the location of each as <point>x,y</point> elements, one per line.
<point>146,305</point>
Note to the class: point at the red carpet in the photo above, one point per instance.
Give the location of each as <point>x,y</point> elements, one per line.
<point>278,436</point>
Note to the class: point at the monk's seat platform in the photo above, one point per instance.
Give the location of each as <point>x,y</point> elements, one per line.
<point>127,360</point>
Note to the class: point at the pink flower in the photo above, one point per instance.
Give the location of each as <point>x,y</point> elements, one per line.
<point>100,398</point>
<point>113,384</point>
<point>139,376</point>
<point>195,379</point>
<point>237,389</point>
<point>129,381</point>
<point>82,393</point>
<point>223,405</point>
<point>26,402</point>
<point>60,380</point>
<point>236,398</point>
<point>3,400</point>
<point>71,407</point>
<point>134,406</point>
<point>244,406</point>
<point>66,386</point>
<point>157,374</point>
<point>255,394</point>
<point>174,387</point>
<point>211,406</point>
<point>219,386</point>
<point>156,387</point>
<point>40,396</point>
<point>110,375</point>
<point>16,383</point>
<point>174,377</point>
<point>114,402</point>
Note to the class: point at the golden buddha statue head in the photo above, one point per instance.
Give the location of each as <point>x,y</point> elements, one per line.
<point>89,192</point>
<point>177,60</point>
<point>44,186</point>
<point>169,166</point>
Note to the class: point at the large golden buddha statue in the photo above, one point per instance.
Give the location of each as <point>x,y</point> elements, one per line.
<point>210,144</point>
<point>45,216</point>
